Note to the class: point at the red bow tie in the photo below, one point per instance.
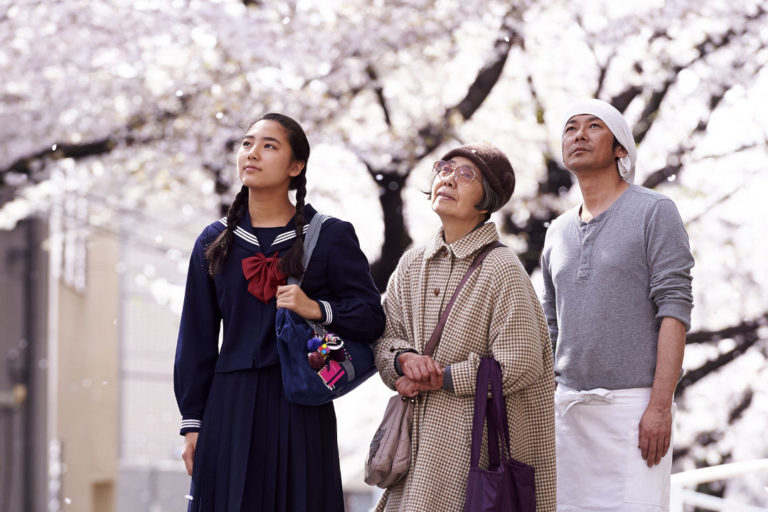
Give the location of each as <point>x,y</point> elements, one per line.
<point>263,275</point>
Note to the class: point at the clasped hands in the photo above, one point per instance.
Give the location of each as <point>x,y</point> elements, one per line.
<point>420,373</point>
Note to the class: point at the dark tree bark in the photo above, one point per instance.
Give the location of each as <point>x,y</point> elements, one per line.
<point>396,237</point>
<point>32,166</point>
<point>391,179</point>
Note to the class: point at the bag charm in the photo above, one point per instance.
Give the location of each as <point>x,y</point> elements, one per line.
<point>325,355</point>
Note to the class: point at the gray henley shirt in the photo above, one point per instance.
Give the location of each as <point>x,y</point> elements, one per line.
<point>607,284</point>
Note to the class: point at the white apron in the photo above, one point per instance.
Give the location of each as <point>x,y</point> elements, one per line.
<point>599,466</point>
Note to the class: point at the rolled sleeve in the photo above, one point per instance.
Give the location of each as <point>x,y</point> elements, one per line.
<point>670,262</point>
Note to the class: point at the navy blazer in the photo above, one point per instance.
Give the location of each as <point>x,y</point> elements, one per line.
<point>337,277</point>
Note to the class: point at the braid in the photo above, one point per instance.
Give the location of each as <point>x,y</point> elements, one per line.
<point>217,252</point>
<point>292,263</point>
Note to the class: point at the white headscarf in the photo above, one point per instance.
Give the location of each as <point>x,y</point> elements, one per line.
<point>618,126</point>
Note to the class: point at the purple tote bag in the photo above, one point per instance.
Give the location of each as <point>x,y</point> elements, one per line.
<point>507,485</point>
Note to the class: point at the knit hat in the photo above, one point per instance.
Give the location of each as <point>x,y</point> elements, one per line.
<point>618,126</point>
<point>493,164</point>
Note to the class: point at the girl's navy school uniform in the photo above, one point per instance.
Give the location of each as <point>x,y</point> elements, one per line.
<point>255,450</point>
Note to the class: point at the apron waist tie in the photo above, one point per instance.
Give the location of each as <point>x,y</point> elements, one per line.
<point>567,399</point>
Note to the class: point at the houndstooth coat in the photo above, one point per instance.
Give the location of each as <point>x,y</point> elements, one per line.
<point>498,314</point>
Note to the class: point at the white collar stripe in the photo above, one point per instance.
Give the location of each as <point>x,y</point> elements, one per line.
<point>251,238</point>
<point>291,234</point>
<point>248,237</point>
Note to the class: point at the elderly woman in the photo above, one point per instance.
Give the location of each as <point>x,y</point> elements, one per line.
<point>496,314</point>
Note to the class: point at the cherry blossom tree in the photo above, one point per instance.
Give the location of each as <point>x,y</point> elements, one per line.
<point>134,106</point>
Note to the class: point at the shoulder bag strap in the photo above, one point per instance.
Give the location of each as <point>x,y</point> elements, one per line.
<point>478,419</point>
<point>438,332</point>
<point>310,241</point>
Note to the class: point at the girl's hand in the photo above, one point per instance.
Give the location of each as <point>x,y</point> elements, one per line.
<point>292,297</point>
<point>188,453</point>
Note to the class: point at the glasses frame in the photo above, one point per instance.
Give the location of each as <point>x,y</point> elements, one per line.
<point>445,169</point>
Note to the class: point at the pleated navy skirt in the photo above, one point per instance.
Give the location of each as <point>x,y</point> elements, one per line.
<point>257,452</point>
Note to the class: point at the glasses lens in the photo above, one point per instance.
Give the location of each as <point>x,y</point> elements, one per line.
<point>445,169</point>
<point>442,168</point>
<point>465,173</point>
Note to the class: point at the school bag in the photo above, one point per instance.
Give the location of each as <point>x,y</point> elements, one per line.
<point>340,365</point>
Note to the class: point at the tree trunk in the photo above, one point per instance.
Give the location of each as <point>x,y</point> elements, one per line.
<point>396,237</point>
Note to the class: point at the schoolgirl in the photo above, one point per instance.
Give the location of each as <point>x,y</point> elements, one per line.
<point>245,446</point>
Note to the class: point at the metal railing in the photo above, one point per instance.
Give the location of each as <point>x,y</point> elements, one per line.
<point>681,492</point>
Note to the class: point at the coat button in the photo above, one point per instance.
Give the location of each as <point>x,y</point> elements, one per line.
<point>437,292</point>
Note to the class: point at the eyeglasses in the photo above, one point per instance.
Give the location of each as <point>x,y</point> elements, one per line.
<point>445,169</point>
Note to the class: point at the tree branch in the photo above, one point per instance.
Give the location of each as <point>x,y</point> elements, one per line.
<point>622,100</point>
<point>744,328</point>
<point>434,134</point>
<point>709,45</point>
<point>651,110</point>
<point>379,91</point>
<point>29,165</point>
<point>489,75</point>
<point>660,176</point>
<point>693,376</point>
<point>25,165</point>
<point>391,178</point>
<point>603,72</point>
<point>589,40</point>
<point>711,437</point>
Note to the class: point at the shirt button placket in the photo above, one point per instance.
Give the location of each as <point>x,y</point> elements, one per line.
<point>586,247</point>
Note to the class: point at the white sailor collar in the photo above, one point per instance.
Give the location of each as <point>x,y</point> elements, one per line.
<point>245,238</point>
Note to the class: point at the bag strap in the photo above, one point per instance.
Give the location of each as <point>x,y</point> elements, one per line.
<point>497,419</point>
<point>438,332</point>
<point>310,241</point>
<point>494,409</point>
<point>479,415</point>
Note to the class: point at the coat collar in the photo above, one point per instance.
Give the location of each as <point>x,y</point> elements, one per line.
<point>465,246</point>
<point>244,232</point>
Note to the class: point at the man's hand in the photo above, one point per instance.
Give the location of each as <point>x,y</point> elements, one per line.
<point>188,453</point>
<point>420,368</point>
<point>292,297</point>
<point>655,432</point>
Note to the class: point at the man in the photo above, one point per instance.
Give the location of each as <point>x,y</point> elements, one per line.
<point>617,296</point>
